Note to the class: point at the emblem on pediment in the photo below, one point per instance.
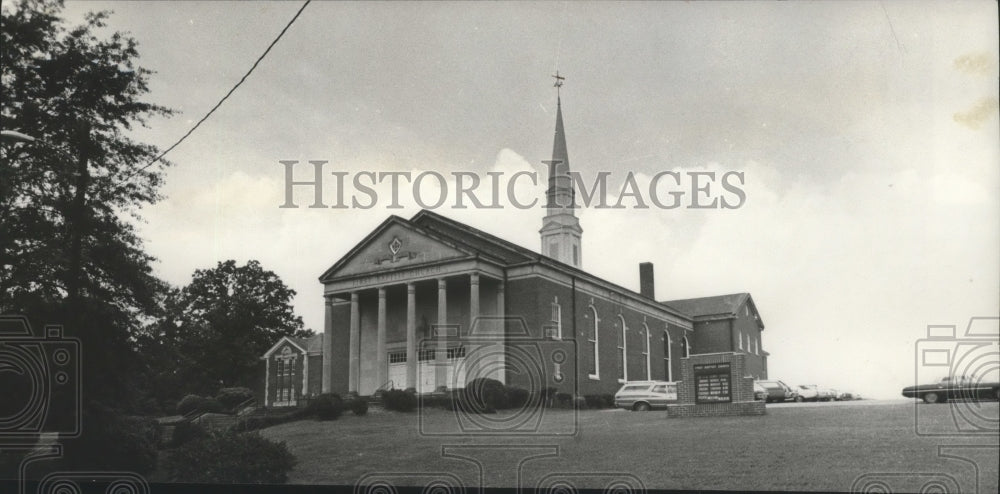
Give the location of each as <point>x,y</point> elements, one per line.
<point>395,249</point>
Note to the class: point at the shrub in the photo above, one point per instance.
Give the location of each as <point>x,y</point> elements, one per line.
<point>230,458</point>
<point>231,397</point>
<point>483,395</point>
<point>185,432</point>
<point>517,397</point>
<point>609,401</point>
<point>358,406</point>
<point>563,400</point>
<point>195,403</point>
<point>580,403</point>
<point>111,441</point>
<point>400,401</point>
<point>444,400</point>
<point>327,406</point>
<point>593,401</point>
<point>547,396</point>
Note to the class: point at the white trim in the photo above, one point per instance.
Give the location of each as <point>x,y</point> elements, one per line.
<point>739,333</point>
<point>278,344</point>
<point>305,375</point>
<point>649,370</point>
<point>687,347</point>
<point>597,344</point>
<point>267,380</point>
<point>624,350</point>
<point>669,357</point>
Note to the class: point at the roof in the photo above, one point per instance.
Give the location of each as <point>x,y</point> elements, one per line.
<point>485,246</point>
<point>312,344</point>
<point>709,306</point>
<point>720,306</point>
<point>473,238</point>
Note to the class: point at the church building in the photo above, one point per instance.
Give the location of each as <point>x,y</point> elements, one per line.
<point>428,303</point>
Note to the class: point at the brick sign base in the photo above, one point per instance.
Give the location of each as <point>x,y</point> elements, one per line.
<point>725,389</point>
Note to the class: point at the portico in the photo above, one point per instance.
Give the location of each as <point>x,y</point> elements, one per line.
<point>410,319</point>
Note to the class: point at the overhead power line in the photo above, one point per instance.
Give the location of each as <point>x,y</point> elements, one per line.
<point>224,98</point>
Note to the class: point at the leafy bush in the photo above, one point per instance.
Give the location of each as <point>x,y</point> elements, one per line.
<point>564,400</point>
<point>517,397</point>
<point>230,458</point>
<point>443,400</point>
<point>111,441</point>
<point>327,406</point>
<point>594,401</point>
<point>609,401</point>
<point>185,432</point>
<point>231,397</point>
<point>358,406</point>
<point>483,395</point>
<point>579,403</point>
<point>400,401</point>
<point>195,403</point>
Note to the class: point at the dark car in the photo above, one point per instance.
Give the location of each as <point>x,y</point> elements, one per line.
<point>954,388</point>
<point>777,391</point>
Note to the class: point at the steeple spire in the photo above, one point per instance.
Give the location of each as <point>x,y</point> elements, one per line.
<point>561,229</point>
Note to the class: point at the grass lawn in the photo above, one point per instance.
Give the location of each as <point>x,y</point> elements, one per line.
<point>794,447</point>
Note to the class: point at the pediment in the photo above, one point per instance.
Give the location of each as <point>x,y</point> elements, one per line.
<point>393,245</point>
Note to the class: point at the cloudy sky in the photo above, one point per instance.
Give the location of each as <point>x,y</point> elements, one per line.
<point>867,134</point>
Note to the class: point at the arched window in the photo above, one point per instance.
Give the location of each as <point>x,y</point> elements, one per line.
<point>685,347</point>
<point>649,374</point>
<point>667,371</point>
<point>623,360</point>
<point>592,341</point>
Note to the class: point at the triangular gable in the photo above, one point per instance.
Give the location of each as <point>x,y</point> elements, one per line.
<point>393,244</point>
<point>284,339</point>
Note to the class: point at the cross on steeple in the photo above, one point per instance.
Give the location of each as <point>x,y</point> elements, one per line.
<point>559,82</point>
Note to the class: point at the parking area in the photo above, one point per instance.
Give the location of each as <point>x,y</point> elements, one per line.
<point>796,446</point>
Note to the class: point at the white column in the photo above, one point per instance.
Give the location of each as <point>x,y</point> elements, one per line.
<point>354,360</point>
<point>328,345</point>
<point>382,364</point>
<point>441,356</point>
<point>474,364</point>
<point>411,336</point>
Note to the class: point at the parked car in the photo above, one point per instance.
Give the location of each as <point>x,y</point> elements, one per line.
<point>952,388</point>
<point>646,395</point>
<point>777,391</point>
<point>759,393</point>
<point>807,392</point>
<point>827,394</point>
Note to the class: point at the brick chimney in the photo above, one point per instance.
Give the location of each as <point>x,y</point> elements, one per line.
<point>646,287</point>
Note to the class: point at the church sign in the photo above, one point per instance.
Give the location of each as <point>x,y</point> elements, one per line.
<point>712,383</point>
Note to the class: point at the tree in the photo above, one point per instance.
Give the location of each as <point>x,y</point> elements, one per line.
<point>69,251</point>
<point>216,328</point>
